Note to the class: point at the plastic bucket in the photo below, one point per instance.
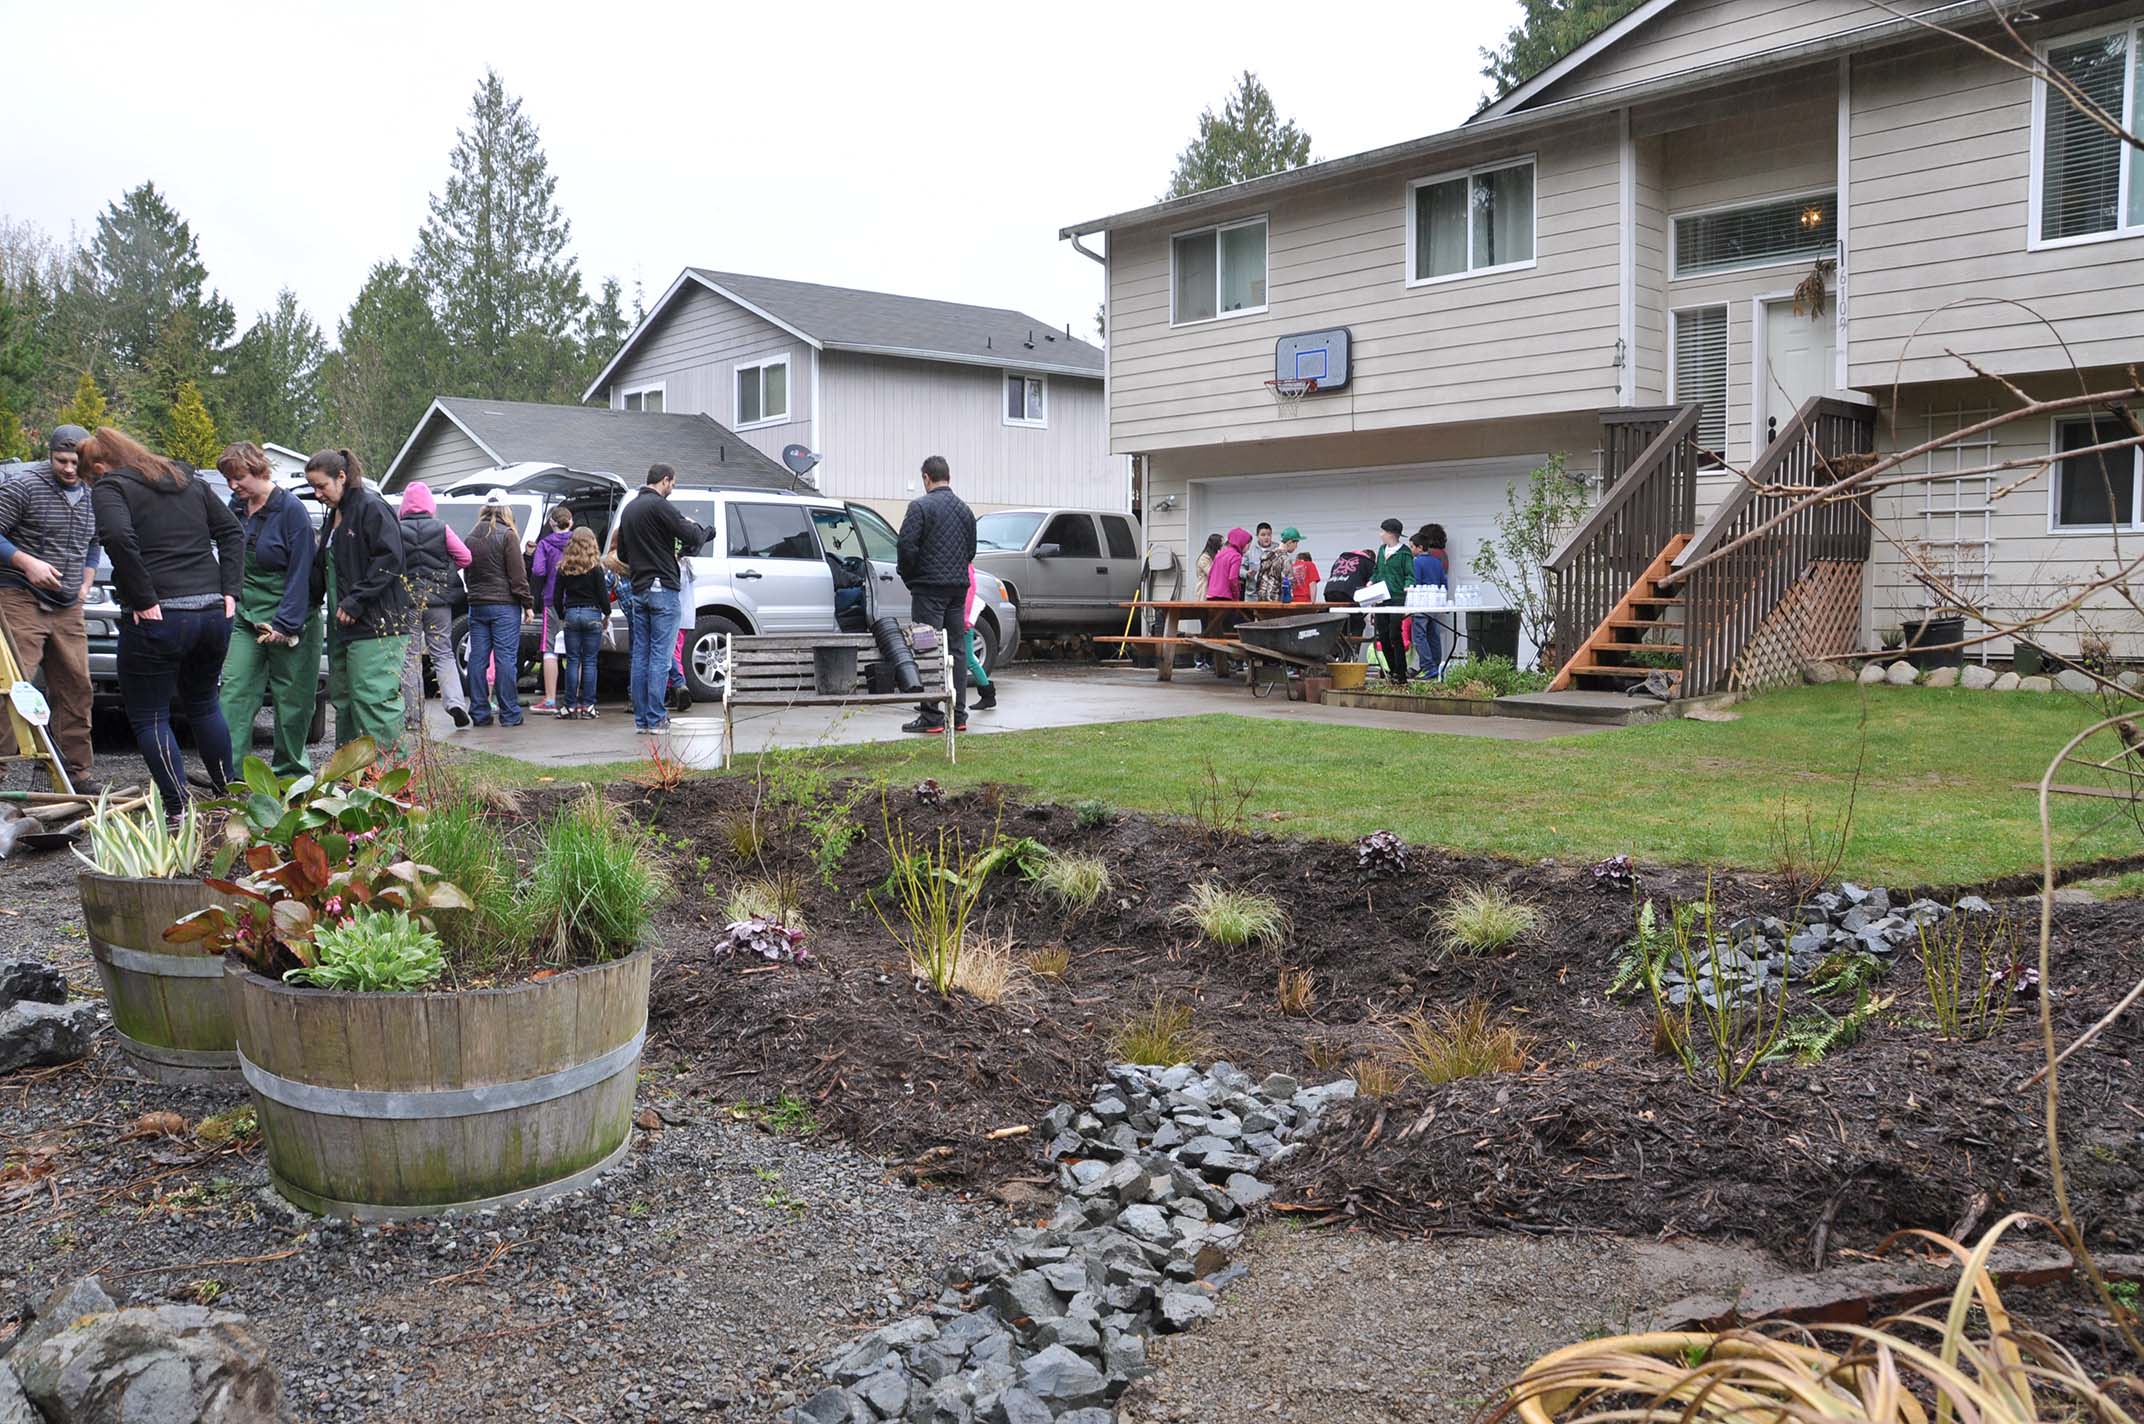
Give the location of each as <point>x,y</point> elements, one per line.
<point>833,671</point>
<point>697,741</point>
<point>1349,677</point>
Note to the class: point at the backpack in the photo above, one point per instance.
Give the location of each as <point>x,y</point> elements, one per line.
<point>1350,571</point>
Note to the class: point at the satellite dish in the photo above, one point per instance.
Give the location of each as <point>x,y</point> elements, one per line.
<point>800,460</point>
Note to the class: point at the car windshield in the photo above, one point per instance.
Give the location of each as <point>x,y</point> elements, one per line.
<point>1007,531</point>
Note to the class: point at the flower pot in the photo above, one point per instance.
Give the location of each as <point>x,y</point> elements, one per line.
<point>1931,642</point>
<point>380,1107</point>
<point>2026,659</point>
<point>1315,687</point>
<point>167,1001</point>
<point>1349,677</point>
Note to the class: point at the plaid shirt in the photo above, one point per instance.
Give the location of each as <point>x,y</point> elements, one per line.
<point>37,518</point>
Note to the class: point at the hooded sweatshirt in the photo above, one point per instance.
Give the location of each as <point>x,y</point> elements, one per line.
<point>431,551</point>
<point>1225,578</point>
<point>543,562</point>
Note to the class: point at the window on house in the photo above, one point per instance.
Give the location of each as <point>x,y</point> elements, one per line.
<point>1220,271</point>
<point>1073,534</point>
<point>1023,400</point>
<point>770,531</point>
<point>2096,491</point>
<point>1478,221</point>
<point>2089,182</point>
<point>1779,230</point>
<point>763,392</point>
<point>647,398</point>
<point>1701,372</point>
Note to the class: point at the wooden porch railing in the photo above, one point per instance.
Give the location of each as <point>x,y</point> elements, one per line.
<point>1649,466</point>
<point>1727,598</point>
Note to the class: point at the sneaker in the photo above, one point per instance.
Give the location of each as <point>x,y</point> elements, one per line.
<point>587,714</point>
<point>85,785</point>
<point>514,723</point>
<point>987,699</point>
<point>961,725</point>
<point>547,705</point>
<point>563,714</point>
<point>460,716</point>
<point>480,722</point>
<point>924,725</point>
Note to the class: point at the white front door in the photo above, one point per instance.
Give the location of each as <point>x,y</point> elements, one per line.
<point>1799,355</point>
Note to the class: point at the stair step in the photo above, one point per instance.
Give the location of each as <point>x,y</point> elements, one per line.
<point>1638,674</point>
<point>1652,601</point>
<point>1640,648</point>
<point>1634,623</point>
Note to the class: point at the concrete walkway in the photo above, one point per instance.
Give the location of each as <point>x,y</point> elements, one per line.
<point>1030,696</point>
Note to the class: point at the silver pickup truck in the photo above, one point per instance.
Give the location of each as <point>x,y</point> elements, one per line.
<point>1068,570</point>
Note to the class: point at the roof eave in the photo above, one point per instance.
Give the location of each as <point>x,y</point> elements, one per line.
<point>437,407</point>
<point>965,358</point>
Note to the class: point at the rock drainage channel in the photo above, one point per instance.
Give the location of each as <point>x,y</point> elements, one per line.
<point>1160,1169</point>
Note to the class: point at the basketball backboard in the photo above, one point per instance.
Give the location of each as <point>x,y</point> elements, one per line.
<point>1319,356</point>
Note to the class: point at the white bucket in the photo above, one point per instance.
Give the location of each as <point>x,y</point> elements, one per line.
<point>696,741</point>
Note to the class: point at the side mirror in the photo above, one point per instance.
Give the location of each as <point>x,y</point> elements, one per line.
<point>1048,551</point>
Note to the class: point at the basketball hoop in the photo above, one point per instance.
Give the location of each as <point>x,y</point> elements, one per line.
<point>1288,394</point>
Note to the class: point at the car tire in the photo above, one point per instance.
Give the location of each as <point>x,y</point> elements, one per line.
<point>702,673</point>
<point>986,633</point>
<point>460,637</point>
<point>319,727</point>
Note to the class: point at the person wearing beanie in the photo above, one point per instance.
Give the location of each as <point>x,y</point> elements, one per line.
<point>48,558</point>
<point>1392,564</point>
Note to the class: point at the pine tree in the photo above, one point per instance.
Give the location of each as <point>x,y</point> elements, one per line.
<point>152,299</point>
<point>603,330</point>
<point>1247,140</point>
<point>193,431</point>
<point>87,409</point>
<point>391,359</point>
<point>274,386</point>
<point>1546,32</point>
<point>14,441</point>
<point>493,259</point>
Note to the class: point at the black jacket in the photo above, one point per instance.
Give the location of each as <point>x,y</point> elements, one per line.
<point>937,539</point>
<point>651,534</point>
<point>159,536</point>
<point>364,539</point>
<point>432,575</point>
<point>582,590</point>
<point>497,572</point>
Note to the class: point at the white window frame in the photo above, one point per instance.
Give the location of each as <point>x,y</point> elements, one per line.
<point>1265,283</point>
<point>1039,422</point>
<point>1523,161</point>
<point>1727,344</point>
<point>661,388</point>
<point>2054,486</point>
<point>789,391</point>
<point>1760,264</point>
<point>2037,173</point>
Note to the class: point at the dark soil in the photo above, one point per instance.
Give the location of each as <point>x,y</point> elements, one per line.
<point>1599,1134</point>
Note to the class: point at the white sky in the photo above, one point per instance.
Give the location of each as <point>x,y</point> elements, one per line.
<point>930,150</point>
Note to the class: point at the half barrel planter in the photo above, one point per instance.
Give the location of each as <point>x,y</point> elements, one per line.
<point>167,1001</point>
<point>381,1107</point>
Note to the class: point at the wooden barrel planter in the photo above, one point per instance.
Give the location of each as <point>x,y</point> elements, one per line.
<point>167,1000</point>
<point>383,1106</point>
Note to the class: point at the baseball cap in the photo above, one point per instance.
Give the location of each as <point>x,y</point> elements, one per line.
<point>494,498</point>
<point>1291,532</point>
<point>66,437</point>
<point>1391,526</point>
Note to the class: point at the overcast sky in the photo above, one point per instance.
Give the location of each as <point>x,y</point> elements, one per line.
<point>929,150</point>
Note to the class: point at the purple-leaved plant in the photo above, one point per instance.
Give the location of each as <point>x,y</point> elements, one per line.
<point>762,937</point>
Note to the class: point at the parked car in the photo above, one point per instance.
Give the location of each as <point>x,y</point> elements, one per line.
<point>1067,570</point>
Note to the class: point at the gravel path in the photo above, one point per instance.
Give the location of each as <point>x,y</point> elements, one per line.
<point>1331,1326</point>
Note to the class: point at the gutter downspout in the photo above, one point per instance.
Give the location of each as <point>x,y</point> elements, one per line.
<point>1087,252</point>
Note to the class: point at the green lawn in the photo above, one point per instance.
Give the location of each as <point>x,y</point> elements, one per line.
<point>1936,801</point>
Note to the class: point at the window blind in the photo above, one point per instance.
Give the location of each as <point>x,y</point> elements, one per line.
<point>1776,231</point>
<point>2080,162</point>
<point>1701,370</point>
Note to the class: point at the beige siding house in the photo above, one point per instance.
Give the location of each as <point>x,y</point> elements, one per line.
<point>1641,225</point>
<point>875,382</point>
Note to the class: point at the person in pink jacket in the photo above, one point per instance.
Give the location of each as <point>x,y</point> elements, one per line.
<point>433,557</point>
<point>1225,580</point>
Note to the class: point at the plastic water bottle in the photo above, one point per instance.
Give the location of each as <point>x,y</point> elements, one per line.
<point>1287,587</point>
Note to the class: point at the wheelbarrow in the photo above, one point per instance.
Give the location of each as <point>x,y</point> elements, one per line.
<point>1307,640</point>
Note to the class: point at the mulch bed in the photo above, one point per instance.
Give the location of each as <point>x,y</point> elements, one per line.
<point>1600,1134</point>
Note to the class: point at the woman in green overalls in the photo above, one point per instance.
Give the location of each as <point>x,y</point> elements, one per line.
<point>275,644</point>
<point>357,569</point>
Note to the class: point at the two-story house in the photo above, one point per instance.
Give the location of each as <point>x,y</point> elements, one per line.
<point>1738,204</point>
<point>875,382</point>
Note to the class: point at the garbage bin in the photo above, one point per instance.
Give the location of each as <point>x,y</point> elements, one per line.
<point>1494,630</point>
<point>1933,642</point>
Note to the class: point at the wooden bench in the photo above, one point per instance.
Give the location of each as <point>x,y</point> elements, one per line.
<point>777,669</point>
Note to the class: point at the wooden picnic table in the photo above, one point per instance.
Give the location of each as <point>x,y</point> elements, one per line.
<point>1173,611</point>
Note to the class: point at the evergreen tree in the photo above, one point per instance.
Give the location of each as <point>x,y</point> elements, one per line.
<point>603,331</point>
<point>193,431</point>
<point>152,299</point>
<point>1247,140</point>
<point>1547,31</point>
<point>493,259</point>
<point>14,441</point>
<point>391,359</point>
<point>38,362</point>
<point>274,390</point>
<point>87,409</point>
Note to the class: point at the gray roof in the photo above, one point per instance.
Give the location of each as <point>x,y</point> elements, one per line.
<point>845,319</point>
<point>618,442</point>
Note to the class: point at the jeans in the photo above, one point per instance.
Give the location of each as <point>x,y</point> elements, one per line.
<point>431,631</point>
<point>494,647</point>
<point>943,606</point>
<point>1428,643</point>
<point>178,656</point>
<point>654,629</point>
<point>584,636</point>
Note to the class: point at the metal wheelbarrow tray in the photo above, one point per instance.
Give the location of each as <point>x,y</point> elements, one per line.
<point>1305,637</point>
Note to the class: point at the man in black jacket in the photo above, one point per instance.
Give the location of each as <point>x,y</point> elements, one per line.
<point>937,545</point>
<point>651,535</point>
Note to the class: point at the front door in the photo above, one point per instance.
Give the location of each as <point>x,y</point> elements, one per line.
<point>1799,360</point>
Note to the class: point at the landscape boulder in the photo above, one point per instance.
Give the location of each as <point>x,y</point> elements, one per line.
<point>31,979</point>
<point>1901,674</point>
<point>2005,682</point>
<point>166,1364</point>
<point>1976,678</point>
<point>2071,680</point>
<point>1942,677</point>
<point>2035,684</point>
<point>1871,674</point>
<point>33,1034</point>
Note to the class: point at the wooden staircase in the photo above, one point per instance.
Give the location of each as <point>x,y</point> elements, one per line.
<point>1642,635</point>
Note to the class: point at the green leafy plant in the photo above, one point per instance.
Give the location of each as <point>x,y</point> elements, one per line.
<point>1233,919</point>
<point>1480,675</point>
<point>1643,953</point>
<point>1026,856</point>
<point>1073,881</point>
<point>1527,533</point>
<point>1161,1033</point>
<point>1727,1032</point>
<point>352,795</point>
<point>1807,1038</point>
<point>1466,1042</point>
<point>933,887</point>
<point>142,845</point>
<point>1485,919</point>
<point>775,897</point>
<point>461,842</point>
<point>374,951</point>
<point>1851,972</point>
<point>593,886</point>
<point>1089,814</point>
<point>1964,960</point>
<point>789,1114</point>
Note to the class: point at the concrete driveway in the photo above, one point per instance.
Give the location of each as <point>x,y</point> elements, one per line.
<point>1030,696</point>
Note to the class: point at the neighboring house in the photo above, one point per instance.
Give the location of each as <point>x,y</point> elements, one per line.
<point>288,465</point>
<point>874,383</point>
<point>1629,229</point>
<point>460,436</point>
